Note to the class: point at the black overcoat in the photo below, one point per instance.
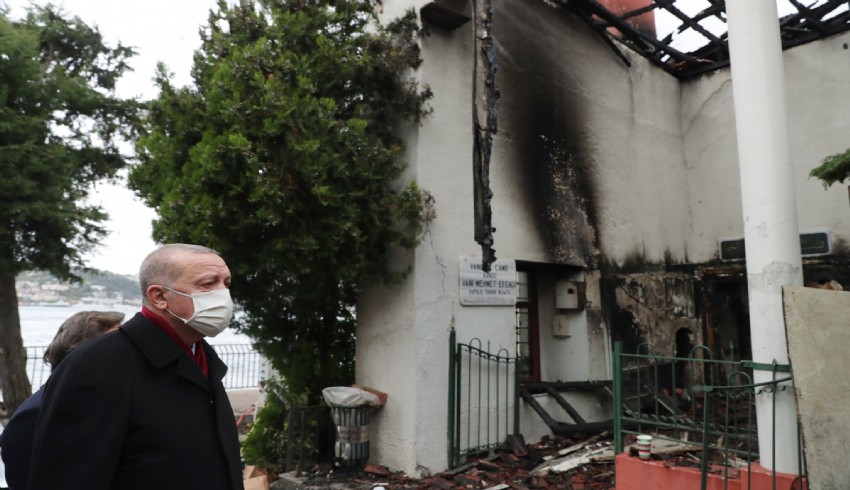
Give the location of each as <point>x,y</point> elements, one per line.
<point>129,410</point>
<point>16,441</point>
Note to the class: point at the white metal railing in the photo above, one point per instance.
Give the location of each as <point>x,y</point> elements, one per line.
<point>246,368</point>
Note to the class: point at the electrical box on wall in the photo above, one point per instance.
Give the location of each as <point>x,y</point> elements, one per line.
<point>570,295</point>
<point>561,326</point>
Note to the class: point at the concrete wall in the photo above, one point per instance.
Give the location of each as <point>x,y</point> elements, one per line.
<point>817,76</point>
<point>597,166</point>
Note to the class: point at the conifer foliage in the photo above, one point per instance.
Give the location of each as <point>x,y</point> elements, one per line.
<point>283,155</point>
<point>61,128</point>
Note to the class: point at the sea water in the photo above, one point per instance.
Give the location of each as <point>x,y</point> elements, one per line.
<point>40,323</point>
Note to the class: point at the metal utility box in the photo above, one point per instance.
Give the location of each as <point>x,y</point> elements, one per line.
<point>561,325</point>
<point>570,295</point>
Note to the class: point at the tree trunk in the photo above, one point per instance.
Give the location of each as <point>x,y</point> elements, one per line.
<point>14,383</point>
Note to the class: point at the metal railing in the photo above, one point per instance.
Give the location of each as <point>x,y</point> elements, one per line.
<point>694,400</point>
<point>483,399</point>
<point>246,368</point>
<point>309,436</point>
<point>37,370</point>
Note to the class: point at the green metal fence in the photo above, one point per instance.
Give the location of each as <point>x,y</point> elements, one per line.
<point>696,400</point>
<point>483,399</point>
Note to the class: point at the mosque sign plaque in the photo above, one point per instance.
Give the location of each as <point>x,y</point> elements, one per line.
<point>494,288</point>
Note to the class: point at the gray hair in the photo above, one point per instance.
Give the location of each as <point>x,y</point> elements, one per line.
<point>78,328</point>
<point>160,268</point>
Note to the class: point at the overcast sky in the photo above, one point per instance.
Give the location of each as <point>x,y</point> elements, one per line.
<point>160,30</point>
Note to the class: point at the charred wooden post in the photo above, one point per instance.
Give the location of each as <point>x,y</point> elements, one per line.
<point>484,99</point>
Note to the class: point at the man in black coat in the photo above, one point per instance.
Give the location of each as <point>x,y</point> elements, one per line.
<point>144,408</point>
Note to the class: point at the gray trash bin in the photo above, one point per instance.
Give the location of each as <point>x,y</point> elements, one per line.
<point>350,408</point>
<point>351,449</point>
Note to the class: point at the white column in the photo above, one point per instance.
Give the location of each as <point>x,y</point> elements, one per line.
<point>769,208</point>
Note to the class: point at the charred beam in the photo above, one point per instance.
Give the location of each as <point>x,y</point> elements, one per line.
<point>484,99</point>
<point>808,15</point>
<point>646,45</point>
<point>812,36</point>
<point>669,5</point>
<point>825,9</point>
<point>717,9</point>
<point>610,43</point>
<point>806,25</point>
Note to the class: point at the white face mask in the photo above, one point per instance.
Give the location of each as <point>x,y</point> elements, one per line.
<point>213,311</point>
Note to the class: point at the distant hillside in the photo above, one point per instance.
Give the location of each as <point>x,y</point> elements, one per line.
<point>100,287</point>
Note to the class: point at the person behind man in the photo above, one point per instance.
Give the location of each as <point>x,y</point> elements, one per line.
<point>145,408</point>
<point>16,441</point>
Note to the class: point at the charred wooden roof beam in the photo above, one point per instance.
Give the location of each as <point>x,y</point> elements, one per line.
<point>820,19</point>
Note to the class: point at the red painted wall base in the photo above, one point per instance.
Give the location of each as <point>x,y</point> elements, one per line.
<point>633,473</point>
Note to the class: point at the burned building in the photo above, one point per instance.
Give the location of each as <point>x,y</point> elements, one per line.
<point>616,204</point>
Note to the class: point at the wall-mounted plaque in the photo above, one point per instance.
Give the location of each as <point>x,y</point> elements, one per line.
<point>494,288</point>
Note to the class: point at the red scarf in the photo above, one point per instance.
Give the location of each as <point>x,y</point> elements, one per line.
<point>199,356</point>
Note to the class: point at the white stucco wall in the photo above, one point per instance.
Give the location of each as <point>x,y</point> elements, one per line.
<point>817,76</point>
<point>403,333</point>
<point>637,147</point>
<point>594,161</point>
<point>620,123</point>
<point>402,344</point>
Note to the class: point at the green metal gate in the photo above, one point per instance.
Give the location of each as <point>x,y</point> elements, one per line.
<point>483,399</point>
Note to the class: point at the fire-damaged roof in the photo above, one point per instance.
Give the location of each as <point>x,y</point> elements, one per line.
<point>689,37</point>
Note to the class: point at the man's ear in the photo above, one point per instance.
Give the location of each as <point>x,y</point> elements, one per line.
<point>156,297</point>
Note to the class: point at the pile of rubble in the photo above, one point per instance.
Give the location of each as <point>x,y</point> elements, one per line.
<point>553,463</point>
